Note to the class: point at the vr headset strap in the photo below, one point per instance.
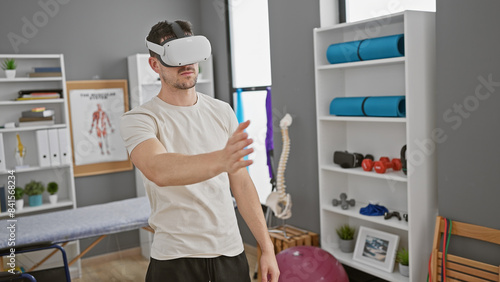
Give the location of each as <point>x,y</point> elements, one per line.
<point>158,48</point>
<point>179,33</point>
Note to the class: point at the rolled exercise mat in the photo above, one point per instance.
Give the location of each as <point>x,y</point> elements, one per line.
<point>382,47</point>
<point>343,52</point>
<point>385,106</point>
<point>347,106</point>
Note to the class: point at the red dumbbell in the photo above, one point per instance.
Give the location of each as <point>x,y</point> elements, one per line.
<point>367,164</point>
<point>382,165</point>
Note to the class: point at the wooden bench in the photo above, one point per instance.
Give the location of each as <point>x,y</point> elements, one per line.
<point>458,268</point>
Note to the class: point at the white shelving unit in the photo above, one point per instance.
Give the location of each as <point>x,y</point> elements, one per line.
<point>10,111</point>
<point>415,193</point>
<point>144,84</point>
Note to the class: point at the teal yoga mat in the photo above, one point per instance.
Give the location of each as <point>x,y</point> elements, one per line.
<point>347,106</point>
<point>385,106</point>
<point>343,52</point>
<point>382,47</point>
<point>367,49</point>
<point>375,106</point>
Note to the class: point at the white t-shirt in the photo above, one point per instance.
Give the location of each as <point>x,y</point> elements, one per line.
<point>195,220</point>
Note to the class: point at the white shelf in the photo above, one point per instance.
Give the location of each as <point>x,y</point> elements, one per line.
<point>32,102</point>
<point>373,22</point>
<point>31,56</point>
<point>43,207</point>
<point>33,169</point>
<point>360,64</point>
<point>412,76</point>
<point>362,119</point>
<point>31,128</point>
<point>152,83</point>
<point>390,175</point>
<point>31,79</point>
<point>353,212</point>
<point>203,81</point>
<point>346,258</point>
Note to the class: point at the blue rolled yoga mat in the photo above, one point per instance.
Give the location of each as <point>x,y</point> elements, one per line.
<point>382,47</point>
<point>368,49</point>
<point>375,106</point>
<point>347,106</point>
<point>385,106</point>
<point>343,52</point>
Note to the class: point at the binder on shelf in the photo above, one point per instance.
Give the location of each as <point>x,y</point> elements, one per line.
<point>3,199</point>
<point>64,146</point>
<point>3,166</point>
<point>55,158</point>
<point>42,141</point>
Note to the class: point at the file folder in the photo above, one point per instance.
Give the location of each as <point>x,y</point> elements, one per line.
<point>55,158</point>
<point>64,147</point>
<point>3,166</point>
<point>42,142</point>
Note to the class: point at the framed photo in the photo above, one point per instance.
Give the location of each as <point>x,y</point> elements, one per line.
<point>376,248</point>
<point>95,108</point>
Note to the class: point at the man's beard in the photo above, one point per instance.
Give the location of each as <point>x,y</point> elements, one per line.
<point>183,85</point>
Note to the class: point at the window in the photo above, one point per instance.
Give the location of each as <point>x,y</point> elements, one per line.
<point>249,39</point>
<point>251,79</point>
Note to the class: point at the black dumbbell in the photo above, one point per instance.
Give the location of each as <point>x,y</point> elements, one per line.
<point>389,215</point>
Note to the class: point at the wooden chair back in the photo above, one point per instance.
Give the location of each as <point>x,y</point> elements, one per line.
<point>459,268</point>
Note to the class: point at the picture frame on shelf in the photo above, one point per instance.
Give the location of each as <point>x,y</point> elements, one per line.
<point>95,108</point>
<point>376,248</point>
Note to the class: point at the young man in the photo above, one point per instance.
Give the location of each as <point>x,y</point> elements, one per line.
<point>190,149</point>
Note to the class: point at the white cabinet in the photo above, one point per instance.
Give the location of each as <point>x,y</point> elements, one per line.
<point>205,83</point>
<point>414,194</point>
<point>60,170</point>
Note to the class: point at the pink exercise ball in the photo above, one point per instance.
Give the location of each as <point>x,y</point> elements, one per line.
<point>309,264</point>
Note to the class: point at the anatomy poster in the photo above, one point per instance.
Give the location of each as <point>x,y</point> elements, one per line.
<point>95,117</point>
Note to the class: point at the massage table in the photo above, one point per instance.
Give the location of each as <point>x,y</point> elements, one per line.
<point>62,227</point>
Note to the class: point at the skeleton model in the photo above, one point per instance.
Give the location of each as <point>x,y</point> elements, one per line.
<point>279,201</point>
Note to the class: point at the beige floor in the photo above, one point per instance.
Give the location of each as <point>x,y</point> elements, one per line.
<point>129,265</point>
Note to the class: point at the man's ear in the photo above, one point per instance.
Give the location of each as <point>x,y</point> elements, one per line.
<point>155,64</point>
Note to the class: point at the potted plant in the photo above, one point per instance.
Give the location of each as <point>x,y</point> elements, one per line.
<point>9,66</point>
<point>403,260</point>
<point>18,195</point>
<point>52,188</point>
<point>346,238</point>
<point>34,190</point>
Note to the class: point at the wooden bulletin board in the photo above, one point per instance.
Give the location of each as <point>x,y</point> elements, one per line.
<point>94,126</point>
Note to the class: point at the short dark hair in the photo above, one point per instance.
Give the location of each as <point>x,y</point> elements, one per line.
<point>163,30</point>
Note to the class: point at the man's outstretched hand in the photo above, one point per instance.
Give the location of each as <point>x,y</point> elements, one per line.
<point>232,156</point>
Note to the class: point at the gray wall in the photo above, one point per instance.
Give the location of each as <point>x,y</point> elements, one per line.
<point>468,168</point>
<point>213,26</point>
<point>95,37</point>
<point>293,92</point>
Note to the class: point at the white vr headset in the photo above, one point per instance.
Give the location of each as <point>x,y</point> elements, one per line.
<point>182,50</point>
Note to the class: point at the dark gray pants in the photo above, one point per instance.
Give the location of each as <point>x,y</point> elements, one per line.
<point>218,269</point>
